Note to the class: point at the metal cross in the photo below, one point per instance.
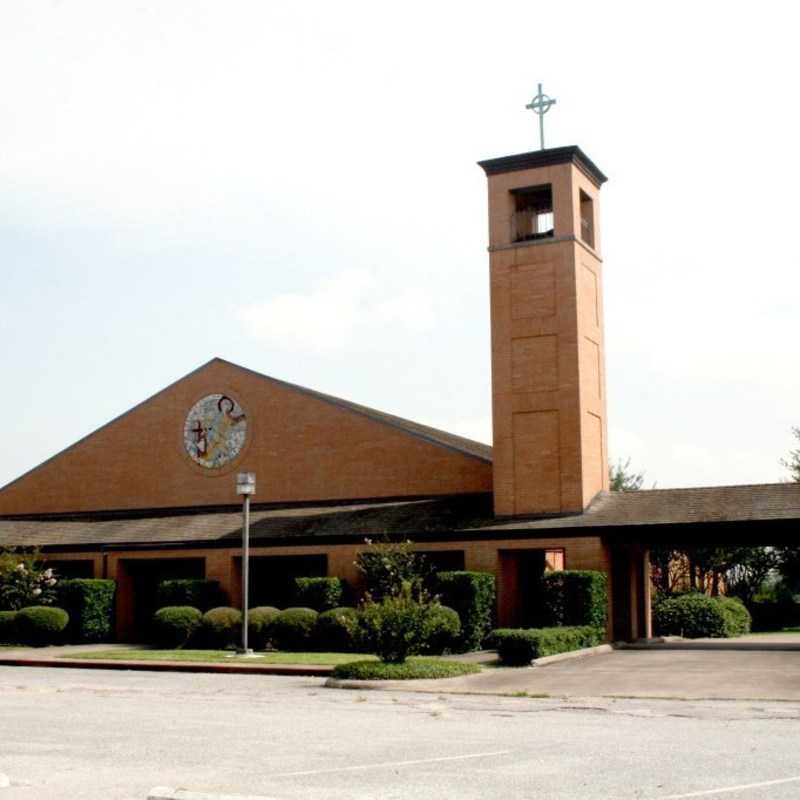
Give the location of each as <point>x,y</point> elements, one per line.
<point>540,105</point>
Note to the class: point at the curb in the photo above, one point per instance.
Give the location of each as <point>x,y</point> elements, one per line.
<point>600,649</point>
<point>173,666</point>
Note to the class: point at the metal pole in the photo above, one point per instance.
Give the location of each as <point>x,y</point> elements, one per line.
<point>245,569</point>
<point>541,122</point>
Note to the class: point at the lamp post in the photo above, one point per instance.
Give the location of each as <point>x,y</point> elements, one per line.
<point>245,486</point>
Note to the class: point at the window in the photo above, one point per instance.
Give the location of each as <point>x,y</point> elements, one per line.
<point>587,219</point>
<point>533,214</point>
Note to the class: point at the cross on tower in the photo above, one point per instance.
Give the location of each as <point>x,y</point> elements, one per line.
<point>540,105</point>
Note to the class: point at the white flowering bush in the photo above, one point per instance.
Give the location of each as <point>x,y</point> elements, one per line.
<point>23,582</point>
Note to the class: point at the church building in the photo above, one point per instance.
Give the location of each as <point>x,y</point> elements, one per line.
<point>152,494</point>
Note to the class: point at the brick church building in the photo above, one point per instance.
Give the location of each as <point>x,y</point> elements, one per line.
<point>151,494</point>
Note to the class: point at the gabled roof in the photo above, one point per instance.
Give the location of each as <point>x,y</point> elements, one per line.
<point>468,447</point>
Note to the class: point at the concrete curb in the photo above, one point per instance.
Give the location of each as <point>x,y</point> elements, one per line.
<point>395,685</point>
<point>167,793</point>
<point>314,671</point>
<point>600,649</point>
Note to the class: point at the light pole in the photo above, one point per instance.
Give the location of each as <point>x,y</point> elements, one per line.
<point>245,486</point>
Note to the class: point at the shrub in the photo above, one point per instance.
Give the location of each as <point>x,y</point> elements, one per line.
<point>198,593</point>
<point>221,627</point>
<point>259,626</point>
<point>471,595</point>
<point>441,631</point>
<point>173,626</point>
<point>574,598</point>
<point>413,669</point>
<point>695,615</point>
<point>23,581</point>
<point>394,628</point>
<point>293,628</point>
<point>337,630</point>
<point>321,594</point>
<point>388,566</point>
<point>8,627</point>
<point>90,605</point>
<point>517,647</point>
<point>41,625</point>
<point>739,619</point>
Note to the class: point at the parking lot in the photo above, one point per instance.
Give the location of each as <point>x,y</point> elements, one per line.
<point>93,734</point>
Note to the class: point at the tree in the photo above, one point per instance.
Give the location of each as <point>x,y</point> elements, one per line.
<point>622,479</point>
<point>792,463</point>
<point>388,566</point>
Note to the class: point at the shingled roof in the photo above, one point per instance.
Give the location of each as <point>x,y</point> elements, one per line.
<point>456,517</point>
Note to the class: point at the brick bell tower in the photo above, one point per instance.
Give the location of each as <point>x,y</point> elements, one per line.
<point>548,362</point>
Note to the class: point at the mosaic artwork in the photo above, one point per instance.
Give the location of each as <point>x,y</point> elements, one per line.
<point>215,431</point>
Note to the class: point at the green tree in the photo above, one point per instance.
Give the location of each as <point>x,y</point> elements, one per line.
<point>622,479</point>
<point>389,566</point>
<point>792,462</point>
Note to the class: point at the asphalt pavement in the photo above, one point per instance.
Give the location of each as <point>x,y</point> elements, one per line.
<point>87,735</point>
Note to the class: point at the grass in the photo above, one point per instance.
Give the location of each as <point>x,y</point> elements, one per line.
<point>412,669</point>
<point>227,656</point>
<point>780,630</point>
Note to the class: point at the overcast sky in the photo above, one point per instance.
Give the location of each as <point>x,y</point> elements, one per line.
<point>293,186</point>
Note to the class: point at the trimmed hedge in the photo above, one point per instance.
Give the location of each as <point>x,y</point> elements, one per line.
<point>259,626</point>
<point>293,628</point>
<point>221,627</point>
<point>321,594</point>
<point>574,598</point>
<point>90,605</point>
<point>471,595</point>
<point>8,627</point>
<point>696,616</point>
<point>412,669</point>
<point>173,626</point>
<point>198,593</point>
<point>41,625</point>
<point>337,630</point>
<point>517,647</point>
<point>441,631</point>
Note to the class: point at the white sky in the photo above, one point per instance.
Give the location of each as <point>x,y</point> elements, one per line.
<point>293,186</point>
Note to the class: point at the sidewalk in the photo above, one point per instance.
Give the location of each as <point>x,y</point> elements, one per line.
<point>60,657</point>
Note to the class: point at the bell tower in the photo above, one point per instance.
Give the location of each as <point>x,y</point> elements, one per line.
<point>548,363</point>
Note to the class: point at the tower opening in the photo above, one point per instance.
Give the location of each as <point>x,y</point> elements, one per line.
<point>533,213</point>
<point>587,219</point>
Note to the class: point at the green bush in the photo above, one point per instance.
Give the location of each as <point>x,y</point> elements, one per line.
<point>517,647</point>
<point>472,596</point>
<point>739,619</point>
<point>413,669</point>
<point>41,625</point>
<point>8,627</point>
<point>388,566</point>
<point>337,630</point>
<point>221,627</point>
<point>90,605</point>
<point>197,593</point>
<point>441,631</point>
<point>321,594</point>
<point>574,598</point>
<point>293,628</point>
<point>174,626</point>
<point>394,628</point>
<point>696,615</point>
<point>259,626</point>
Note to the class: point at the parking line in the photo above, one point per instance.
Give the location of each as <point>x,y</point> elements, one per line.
<point>385,764</point>
<point>729,789</point>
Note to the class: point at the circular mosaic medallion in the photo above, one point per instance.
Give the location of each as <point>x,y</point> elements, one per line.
<point>214,431</point>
